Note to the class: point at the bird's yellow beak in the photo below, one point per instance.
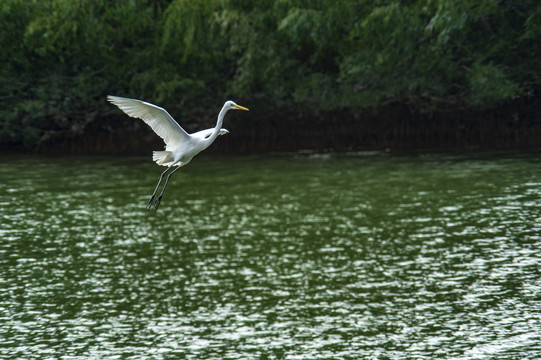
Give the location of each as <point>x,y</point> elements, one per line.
<point>240,107</point>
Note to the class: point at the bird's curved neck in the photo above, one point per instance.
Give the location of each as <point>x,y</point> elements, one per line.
<point>218,127</point>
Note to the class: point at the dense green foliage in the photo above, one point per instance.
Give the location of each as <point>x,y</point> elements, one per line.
<point>61,57</point>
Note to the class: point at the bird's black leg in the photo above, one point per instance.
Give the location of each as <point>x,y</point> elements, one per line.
<point>159,199</point>
<point>149,205</point>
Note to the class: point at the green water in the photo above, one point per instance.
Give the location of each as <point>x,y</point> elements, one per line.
<point>276,257</point>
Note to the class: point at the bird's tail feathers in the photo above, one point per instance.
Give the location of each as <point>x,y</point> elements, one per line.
<point>162,157</point>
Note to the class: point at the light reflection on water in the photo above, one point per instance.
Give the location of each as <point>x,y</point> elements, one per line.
<point>279,257</point>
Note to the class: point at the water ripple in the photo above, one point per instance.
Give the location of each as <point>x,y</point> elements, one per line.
<point>336,257</point>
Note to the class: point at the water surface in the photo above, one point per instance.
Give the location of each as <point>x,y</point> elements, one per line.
<point>272,257</point>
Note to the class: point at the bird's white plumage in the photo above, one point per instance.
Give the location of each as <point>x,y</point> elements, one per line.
<point>156,117</point>
<point>204,134</point>
<point>180,147</point>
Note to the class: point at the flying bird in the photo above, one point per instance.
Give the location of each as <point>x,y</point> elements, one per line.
<point>180,147</point>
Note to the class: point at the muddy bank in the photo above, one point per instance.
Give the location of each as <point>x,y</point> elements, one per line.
<point>515,126</point>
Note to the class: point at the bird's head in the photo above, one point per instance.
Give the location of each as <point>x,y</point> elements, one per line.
<point>231,105</point>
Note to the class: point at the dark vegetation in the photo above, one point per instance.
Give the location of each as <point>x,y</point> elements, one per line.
<point>328,74</point>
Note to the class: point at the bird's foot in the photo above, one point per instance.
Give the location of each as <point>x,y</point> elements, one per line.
<point>157,203</point>
<point>150,202</point>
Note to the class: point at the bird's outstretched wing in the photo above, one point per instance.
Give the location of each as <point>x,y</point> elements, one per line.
<point>203,134</point>
<point>156,117</point>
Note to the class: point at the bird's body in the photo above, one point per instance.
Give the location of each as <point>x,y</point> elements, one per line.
<point>184,153</point>
<point>180,147</point>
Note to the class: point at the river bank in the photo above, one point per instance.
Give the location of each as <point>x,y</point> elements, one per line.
<point>511,126</point>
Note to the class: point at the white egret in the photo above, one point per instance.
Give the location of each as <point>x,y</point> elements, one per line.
<point>180,147</point>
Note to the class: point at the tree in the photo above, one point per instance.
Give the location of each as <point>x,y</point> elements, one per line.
<point>61,57</point>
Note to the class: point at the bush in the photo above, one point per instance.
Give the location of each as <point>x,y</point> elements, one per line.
<point>61,58</point>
